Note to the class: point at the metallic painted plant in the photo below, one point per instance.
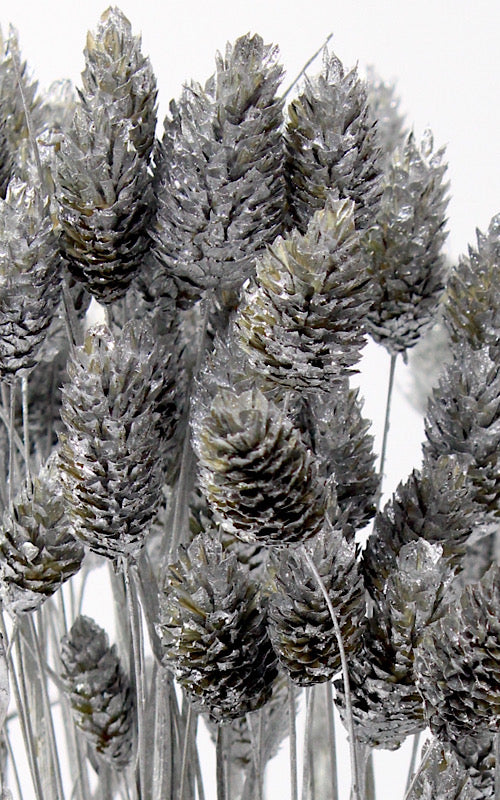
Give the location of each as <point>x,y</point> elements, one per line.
<point>204,441</point>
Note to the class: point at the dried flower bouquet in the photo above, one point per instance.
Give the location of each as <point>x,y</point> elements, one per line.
<point>204,441</point>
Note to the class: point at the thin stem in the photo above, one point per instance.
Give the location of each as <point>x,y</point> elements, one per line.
<point>390,388</point>
<point>24,718</point>
<point>307,773</point>
<point>256,742</point>
<point>47,708</point>
<point>14,765</point>
<point>27,116</point>
<point>26,430</point>
<point>497,765</point>
<point>331,738</point>
<point>422,767</point>
<point>220,766</point>
<point>185,749</point>
<point>134,613</point>
<point>345,676</point>
<point>413,759</point>
<point>369,776</point>
<point>306,65</point>
<point>293,740</point>
<point>12,405</point>
<point>185,468</point>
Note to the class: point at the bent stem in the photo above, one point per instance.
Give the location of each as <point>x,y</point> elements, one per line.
<point>413,760</point>
<point>345,675</point>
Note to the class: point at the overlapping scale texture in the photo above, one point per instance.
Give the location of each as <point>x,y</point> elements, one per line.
<point>472,306</point>
<point>110,451</point>
<point>300,625</point>
<point>220,188</point>
<point>463,417</point>
<point>29,279</point>
<point>99,692</point>
<point>331,143</point>
<point>344,448</point>
<point>301,320</point>
<point>119,76</point>
<point>37,552</point>
<point>434,505</point>
<point>404,246</point>
<point>256,473</point>
<point>103,185</point>
<point>213,632</point>
<point>387,706</point>
<point>458,664</point>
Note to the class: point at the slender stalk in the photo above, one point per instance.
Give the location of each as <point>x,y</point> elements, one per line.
<point>13,764</point>
<point>26,429</point>
<point>25,720</point>
<point>256,741</point>
<point>497,765</point>
<point>390,388</point>
<point>185,749</point>
<point>293,740</point>
<point>12,405</point>
<point>27,116</point>
<point>331,738</point>
<point>134,613</point>
<point>49,722</point>
<point>413,759</point>
<point>220,766</point>
<point>422,767</point>
<point>345,675</point>
<point>307,773</point>
<point>369,777</point>
<point>185,468</point>
<point>306,65</point>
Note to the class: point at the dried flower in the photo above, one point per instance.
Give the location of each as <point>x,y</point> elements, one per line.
<point>117,75</point>
<point>331,144</point>
<point>472,307</point>
<point>110,453</point>
<point>435,505</point>
<point>300,625</point>
<point>219,182</point>
<point>98,692</point>
<point>37,552</point>
<point>404,246</point>
<point>258,477</point>
<point>29,279</point>
<point>464,418</point>
<point>458,664</point>
<point>300,321</point>
<point>214,632</point>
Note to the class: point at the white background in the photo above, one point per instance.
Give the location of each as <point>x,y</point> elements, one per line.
<point>444,56</point>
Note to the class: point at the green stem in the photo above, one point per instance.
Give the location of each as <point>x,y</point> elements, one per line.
<point>345,675</point>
